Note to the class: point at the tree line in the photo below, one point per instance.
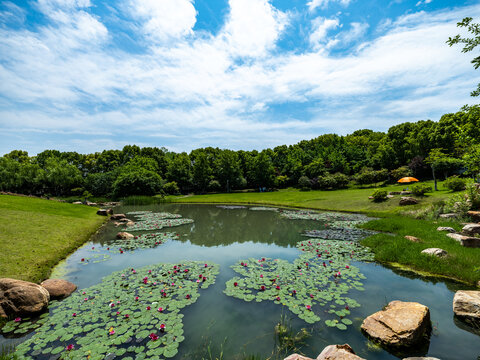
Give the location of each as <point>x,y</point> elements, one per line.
<point>424,149</point>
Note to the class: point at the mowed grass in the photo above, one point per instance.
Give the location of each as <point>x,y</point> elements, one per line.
<point>352,199</point>
<point>461,263</point>
<point>35,234</point>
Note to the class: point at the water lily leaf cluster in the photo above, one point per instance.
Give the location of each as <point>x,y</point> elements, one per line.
<point>323,216</point>
<point>347,233</point>
<point>134,313</point>
<point>147,220</point>
<point>19,327</point>
<point>231,207</point>
<point>316,283</point>
<point>262,208</point>
<point>144,241</point>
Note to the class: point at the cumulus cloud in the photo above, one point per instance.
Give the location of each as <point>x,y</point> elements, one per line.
<point>320,28</point>
<point>226,89</point>
<point>165,19</point>
<point>314,4</point>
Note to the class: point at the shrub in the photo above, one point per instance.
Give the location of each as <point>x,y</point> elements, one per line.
<point>214,186</point>
<point>473,194</point>
<point>304,183</point>
<point>370,176</point>
<point>421,189</point>
<point>379,195</point>
<point>329,181</point>
<point>281,181</point>
<point>454,183</point>
<point>171,188</point>
<point>401,172</point>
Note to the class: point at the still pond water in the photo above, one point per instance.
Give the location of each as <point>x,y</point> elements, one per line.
<point>237,328</point>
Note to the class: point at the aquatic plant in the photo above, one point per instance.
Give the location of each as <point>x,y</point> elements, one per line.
<point>114,318</point>
<point>348,234</point>
<point>317,282</point>
<point>262,208</point>
<point>156,221</point>
<point>231,207</point>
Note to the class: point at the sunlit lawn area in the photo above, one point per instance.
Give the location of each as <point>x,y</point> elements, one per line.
<point>35,234</point>
<point>352,199</point>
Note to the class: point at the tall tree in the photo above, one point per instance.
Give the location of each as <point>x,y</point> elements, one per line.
<point>470,43</point>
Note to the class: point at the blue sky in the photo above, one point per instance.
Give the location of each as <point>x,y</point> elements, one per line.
<point>88,75</point>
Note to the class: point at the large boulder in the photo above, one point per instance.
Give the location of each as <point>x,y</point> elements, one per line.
<point>399,325</point>
<point>435,252</point>
<point>22,298</point>
<point>297,357</point>
<point>59,288</point>
<point>474,215</point>
<point>124,235</point>
<point>117,216</point>
<point>338,352</point>
<point>466,305</point>
<point>471,229</point>
<point>407,200</point>
<point>467,241</point>
<point>102,212</point>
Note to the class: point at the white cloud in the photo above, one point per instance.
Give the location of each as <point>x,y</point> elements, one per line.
<point>165,19</point>
<point>320,28</point>
<point>314,4</point>
<point>344,38</point>
<point>64,78</point>
<point>423,2</point>
<point>253,27</point>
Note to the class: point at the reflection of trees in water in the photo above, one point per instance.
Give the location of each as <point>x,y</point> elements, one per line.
<point>215,226</point>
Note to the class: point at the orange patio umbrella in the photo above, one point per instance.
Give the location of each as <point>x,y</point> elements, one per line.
<point>407,179</point>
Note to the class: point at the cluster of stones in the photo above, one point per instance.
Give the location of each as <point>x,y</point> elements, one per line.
<point>23,299</point>
<point>403,327</point>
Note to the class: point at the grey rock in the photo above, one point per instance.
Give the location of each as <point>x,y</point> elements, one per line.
<point>407,200</point>
<point>471,229</point>
<point>466,241</point>
<point>435,252</point>
<point>446,228</point>
<point>466,305</point>
<point>449,216</point>
<point>102,212</point>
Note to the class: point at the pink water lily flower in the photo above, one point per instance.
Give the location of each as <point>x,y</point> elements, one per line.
<point>261,275</point>
<point>149,271</point>
<point>111,332</point>
<point>136,298</point>
<point>160,309</point>
<point>188,296</point>
<point>235,284</point>
<point>74,314</point>
<point>162,327</point>
<point>18,319</point>
<point>309,307</point>
<point>70,347</point>
<point>86,299</point>
<point>118,312</point>
<point>148,307</point>
<point>278,298</point>
<point>127,316</point>
<point>347,267</point>
<point>153,337</point>
<point>111,305</point>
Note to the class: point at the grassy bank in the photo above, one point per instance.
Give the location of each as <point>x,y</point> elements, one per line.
<point>35,234</point>
<point>353,199</point>
<point>462,263</point>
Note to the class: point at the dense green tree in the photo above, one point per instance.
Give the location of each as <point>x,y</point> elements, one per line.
<point>201,172</point>
<point>60,176</point>
<point>180,171</point>
<point>229,170</point>
<point>137,182</point>
<point>264,170</point>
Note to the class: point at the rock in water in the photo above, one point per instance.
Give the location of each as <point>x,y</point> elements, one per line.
<point>338,352</point>
<point>471,229</point>
<point>399,325</point>
<point>466,305</point>
<point>117,216</point>
<point>22,298</point>
<point>407,200</point>
<point>124,235</point>
<point>435,252</point>
<point>297,357</point>
<point>58,288</point>
<point>102,212</point>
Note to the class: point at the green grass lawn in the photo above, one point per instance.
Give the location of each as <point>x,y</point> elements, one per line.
<point>35,234</point>
<point>353,199</point>
<point>461,263</point>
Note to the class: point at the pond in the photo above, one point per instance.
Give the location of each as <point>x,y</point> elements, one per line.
<point>217,249</point>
